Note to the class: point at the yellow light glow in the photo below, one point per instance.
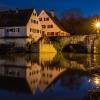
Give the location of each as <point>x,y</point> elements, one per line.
<point>97,24</point>
<point>96,80</point>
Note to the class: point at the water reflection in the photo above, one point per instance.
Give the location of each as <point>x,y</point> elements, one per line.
<point>67,74</point>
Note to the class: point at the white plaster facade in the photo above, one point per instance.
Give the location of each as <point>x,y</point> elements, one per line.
<point>21,35</point>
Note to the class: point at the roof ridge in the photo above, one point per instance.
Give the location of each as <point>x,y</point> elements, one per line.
<point>13,18</point>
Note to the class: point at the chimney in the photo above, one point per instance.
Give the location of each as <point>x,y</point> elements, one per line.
<point>52,13</point>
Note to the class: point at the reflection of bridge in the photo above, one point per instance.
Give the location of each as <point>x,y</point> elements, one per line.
<point>89,42</point>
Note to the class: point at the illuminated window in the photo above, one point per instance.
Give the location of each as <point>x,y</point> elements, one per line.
<point>43,26</point>
<point>52,33</point>
<point>50,26</point>
<point>34,21</point>
<point>46,19</point>
<point>40,19</point>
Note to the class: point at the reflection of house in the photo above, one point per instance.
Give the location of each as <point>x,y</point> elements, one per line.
<point>34,75</point>
<point>51,25</point>
<point>17,67</point>
<point>19,27</point>
<point>21,69</point>
<point>48,75</point>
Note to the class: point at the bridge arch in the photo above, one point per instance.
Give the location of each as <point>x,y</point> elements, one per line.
<point>78,47</point>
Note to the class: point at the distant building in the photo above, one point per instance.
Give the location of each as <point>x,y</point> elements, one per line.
<point>51,25</point>
<point>19,27</point>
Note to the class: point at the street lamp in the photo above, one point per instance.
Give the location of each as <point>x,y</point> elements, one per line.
<point>97,26</point>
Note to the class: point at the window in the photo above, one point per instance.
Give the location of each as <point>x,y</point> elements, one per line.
<point>40,19</point>
<point>43,32</point>
<point>34,14</point>
<point>34,21</point>
<point>56,33</point>
<point>52,33</point>
<point>13,30</point>
<point>30,30</point>
<point>18,30</point>
<point>37,31</point>
<point>46,19</point>
<point>48,33</point>
<point>43,26</point>
<point>34,30</point>
<point>50,26</point>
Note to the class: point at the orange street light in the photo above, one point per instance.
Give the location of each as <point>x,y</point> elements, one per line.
<point>97,26</point>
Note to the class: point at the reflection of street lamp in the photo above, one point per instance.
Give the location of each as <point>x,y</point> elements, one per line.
<point>96,26</point>
<point>95,80</point>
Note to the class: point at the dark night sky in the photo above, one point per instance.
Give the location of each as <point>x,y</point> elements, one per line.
<point>88,7</point>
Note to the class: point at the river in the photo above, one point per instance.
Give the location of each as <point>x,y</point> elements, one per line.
<point>48,76</point>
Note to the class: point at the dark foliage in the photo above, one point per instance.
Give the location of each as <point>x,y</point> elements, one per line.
<point>76,24</point>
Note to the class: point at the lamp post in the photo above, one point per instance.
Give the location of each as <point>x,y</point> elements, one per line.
<point>97,26</point>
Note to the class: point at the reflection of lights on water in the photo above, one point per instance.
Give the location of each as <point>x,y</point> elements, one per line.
<point>89,80</point>
<point>97,81</point>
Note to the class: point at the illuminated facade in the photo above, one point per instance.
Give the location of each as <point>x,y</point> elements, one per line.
<point>19,27</point>
<point>51,25</point>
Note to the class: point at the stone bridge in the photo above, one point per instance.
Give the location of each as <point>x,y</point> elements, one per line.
<point>88,42</point>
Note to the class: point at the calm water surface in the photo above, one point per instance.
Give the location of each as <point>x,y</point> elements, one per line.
<point>48,76</point>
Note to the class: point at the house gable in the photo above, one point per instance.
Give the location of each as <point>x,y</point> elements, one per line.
<point>34,29</point>
<point>51,25</point>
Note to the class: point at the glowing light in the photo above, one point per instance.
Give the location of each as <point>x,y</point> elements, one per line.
<point>97,24</point>
<point>97,81</point>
